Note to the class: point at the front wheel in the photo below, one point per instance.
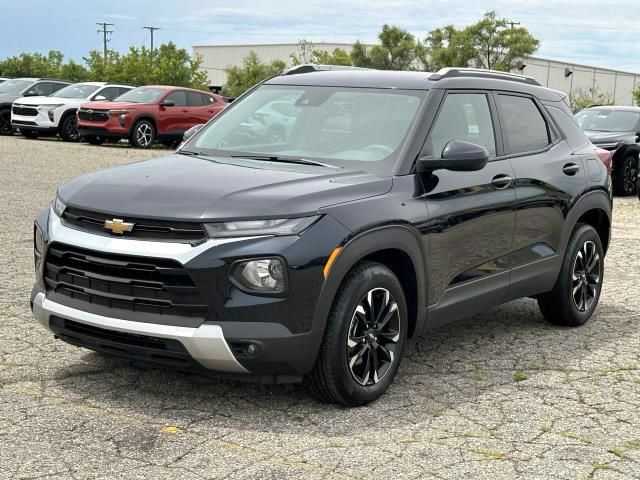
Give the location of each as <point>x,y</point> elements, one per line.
<point>577,291</point>
<point>143,134</point>
<point>5,122</point>
<point>69,129</point>
<point>626,176</point>
<point>364,338</point>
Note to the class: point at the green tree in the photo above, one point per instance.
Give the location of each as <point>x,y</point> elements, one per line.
<point>39,65</point>
<point>252,71</point>
<point>398,50</point>
<point>446,47</point>
<point>497,45</point>
<point>636,96</point>
<point>580,98</point>
<point>307,53</point>
<point>171,66</point>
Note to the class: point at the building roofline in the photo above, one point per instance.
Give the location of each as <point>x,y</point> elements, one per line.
<point>286,44</point>
<point>582,65</point>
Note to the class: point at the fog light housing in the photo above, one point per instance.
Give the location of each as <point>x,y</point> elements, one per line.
<point>263,275</point>
<point>50,114</point>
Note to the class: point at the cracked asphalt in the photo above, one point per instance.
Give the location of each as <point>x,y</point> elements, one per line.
<point>501,395</point>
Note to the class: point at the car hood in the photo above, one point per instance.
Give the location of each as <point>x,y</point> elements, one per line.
<point>111,105</point>
<point>179,187</point>
<point>609,137</point>
<point>50,101</point>
<point>8,97</point>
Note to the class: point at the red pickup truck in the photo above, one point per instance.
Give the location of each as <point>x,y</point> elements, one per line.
<point>146,115</point>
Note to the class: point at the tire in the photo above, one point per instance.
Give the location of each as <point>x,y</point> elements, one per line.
<point>565,305</point>
<point>340,374</point>
<point>5,122</point>
<point>626,176</point>
<point>31,134</point>
<point>69,129</point>
<point>93,139</point>
<point>276,134</point>
<point>143,134</point>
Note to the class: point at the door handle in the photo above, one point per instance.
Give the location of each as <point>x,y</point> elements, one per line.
<point>185,111</point>
<point>501,181</point>
<point>570,169</point>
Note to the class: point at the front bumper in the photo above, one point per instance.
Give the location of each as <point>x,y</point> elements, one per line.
<point>40,122</point>
<point>206,344</point>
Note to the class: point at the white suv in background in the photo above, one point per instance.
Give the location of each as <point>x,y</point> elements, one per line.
<point>56,114</point>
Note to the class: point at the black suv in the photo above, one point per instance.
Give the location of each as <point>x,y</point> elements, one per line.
<point>616,129</point>
<point>396,202</point>
<point>11,90</point>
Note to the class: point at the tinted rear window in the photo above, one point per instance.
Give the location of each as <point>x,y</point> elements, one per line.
<point>524,124</point>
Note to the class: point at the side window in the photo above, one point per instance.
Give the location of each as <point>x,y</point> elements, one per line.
<point>569,126</point>
<point>179,98</point>
<point>195,99</point>
<point>525,127</point>
<point>109,93</point>
<point>124,90</point>
<point>466,117</point>
<point>208,99</point>
<point>46,88</point>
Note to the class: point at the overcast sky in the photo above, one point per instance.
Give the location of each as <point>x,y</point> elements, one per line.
<point>600,33</point>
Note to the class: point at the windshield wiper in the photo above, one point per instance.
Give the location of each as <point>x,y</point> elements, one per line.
<point>275,158</point>
<point>188,152</point>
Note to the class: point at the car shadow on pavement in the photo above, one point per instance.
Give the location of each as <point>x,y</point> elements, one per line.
<point>449,367</point>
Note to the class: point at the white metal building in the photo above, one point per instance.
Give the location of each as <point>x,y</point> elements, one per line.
<point>565,76</point>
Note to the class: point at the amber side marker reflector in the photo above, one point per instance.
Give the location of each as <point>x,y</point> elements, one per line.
<point>332,258</point>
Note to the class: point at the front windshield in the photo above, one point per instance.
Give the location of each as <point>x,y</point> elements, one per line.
<point>142,95</point>
<point>77,90</point>
<point>14,86</point>
<point>336,125</point>
<point>608,120</point>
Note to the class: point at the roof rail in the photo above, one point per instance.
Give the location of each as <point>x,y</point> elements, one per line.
<point>451,72</point>
<point>312,67</point>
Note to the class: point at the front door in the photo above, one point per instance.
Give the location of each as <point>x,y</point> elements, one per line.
<point>471,216</point>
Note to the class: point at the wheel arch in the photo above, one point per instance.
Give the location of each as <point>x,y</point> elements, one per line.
<point>593,208</point>
<point>399,247</point>
<point>144,116</point>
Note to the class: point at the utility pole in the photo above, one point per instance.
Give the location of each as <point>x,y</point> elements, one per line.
<point>512,23</point>
<point>105,36</point>
<point>151,29</point>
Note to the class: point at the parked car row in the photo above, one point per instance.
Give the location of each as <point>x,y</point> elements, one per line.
<point>99,111</point>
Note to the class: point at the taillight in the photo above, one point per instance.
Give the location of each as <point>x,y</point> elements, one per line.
<point>605,156</point>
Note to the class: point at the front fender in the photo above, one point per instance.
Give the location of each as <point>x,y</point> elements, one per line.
<point>398,237</point>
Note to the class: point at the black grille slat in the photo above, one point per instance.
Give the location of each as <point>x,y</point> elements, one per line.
<point>93,116</point>
<point>24,111</point>
<point>137,284</point>
<point>144,228</point>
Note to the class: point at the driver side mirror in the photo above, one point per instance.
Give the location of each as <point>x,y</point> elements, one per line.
<point>31,93</point>
<point>99,98</point>
<point>167,103</point>
<point>457,156</point>
<point>191,132</point>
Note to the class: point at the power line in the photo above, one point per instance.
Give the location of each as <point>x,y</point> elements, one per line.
<point>151,29</point>
<point>105,36</point>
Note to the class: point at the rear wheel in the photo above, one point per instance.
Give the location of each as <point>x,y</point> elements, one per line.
<point>32,134</point>
<point>626,176</point>
<point>94,139</point>
<point>143,134</point>
<point>69,129</point>
<point>5,122</point>
<point>577,291</point>
<point>364,338</point>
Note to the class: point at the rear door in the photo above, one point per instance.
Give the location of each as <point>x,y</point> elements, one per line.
<point>471,217</point>
<point>197,108</point>
<point>549,178</point>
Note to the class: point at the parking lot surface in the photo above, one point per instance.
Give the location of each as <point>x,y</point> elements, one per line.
<point>501,395</point>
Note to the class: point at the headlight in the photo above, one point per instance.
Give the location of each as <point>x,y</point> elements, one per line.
<point>119,111</point>
<point>38,247</point>
<point>47,108</point>
<point>265,275</point>
<point>244,228</point>
<point>58,206</point>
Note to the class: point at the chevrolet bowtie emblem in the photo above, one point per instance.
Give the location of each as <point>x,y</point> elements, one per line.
<point>118,226</point>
